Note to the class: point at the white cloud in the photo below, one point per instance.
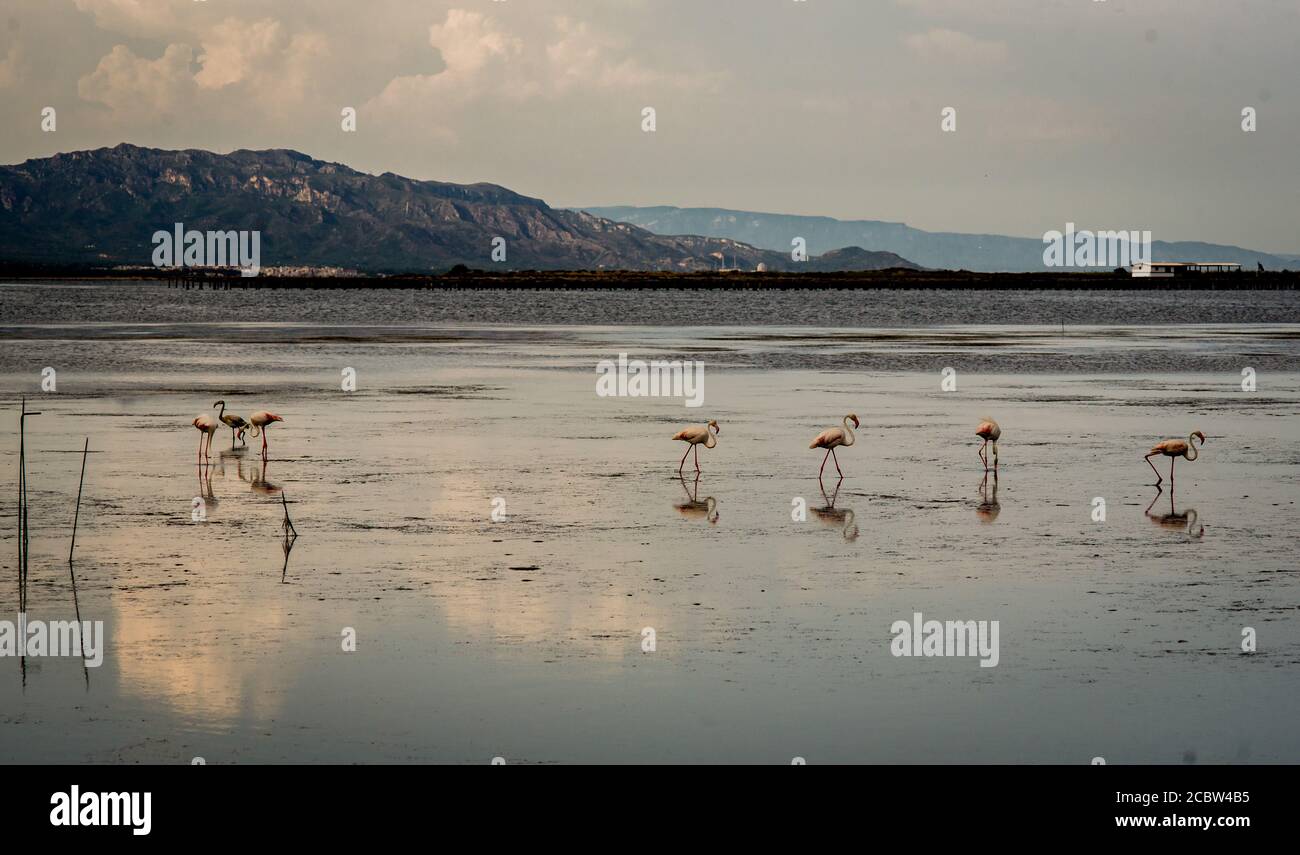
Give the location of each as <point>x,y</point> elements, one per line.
<point>484,61</point>
<point>134,17</point>
<point>258,63</point>
<point>11,67</point>
<point>235,48</point>
<point>131,84</point>
<point>469,40</point>
<point>941,45</point>
<point>584,56</point>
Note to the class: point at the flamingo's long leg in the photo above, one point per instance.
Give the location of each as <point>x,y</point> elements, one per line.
<point>1172,461</point>
<point>824,459</point>
<point>683,463</point>
<point>1159,477</point>
<point>983,458</point>
<point>697,458</point>
<point>837,462</point>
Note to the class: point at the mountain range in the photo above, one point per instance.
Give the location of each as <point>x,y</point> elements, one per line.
<point>101,208</point>
<point>939,250</point>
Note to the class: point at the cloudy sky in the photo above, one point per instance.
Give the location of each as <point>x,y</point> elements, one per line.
<point>1111,114</point>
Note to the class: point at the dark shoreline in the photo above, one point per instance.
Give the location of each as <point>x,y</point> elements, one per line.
<point>579,280</point>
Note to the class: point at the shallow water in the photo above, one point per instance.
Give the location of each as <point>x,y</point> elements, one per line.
<point>522,638</point>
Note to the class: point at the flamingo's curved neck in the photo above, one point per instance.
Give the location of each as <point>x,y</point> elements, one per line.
<point>223,410</point>
<point>849,438</point>
<point>1191,447</point>
<point>713,438</point>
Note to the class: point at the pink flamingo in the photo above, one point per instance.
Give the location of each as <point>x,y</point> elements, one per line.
<point>833,438</point>
<point>207,426</point>
<point>260,420</point>
<point>696,436</point>
<point>989,431</point>
<point>1174,449</point>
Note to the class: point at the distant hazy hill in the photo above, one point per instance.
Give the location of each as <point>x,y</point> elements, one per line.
<point>944,250</point>
<point>103,206</point>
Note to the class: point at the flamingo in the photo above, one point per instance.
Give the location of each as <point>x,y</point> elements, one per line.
<point>833,438</point>
<point>207,426</point>
<point>1174,449</point>
<point>707,435</point>
<point>260,421</point>
<point>236,423</point>
<point>989,431</point>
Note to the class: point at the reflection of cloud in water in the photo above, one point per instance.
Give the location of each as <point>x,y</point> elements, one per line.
<point>561,622</point>
<point>206,671</point>
<point>544,608</point>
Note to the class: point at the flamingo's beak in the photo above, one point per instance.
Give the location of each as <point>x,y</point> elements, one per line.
<point>1202,436</point>
<point>855,422</point>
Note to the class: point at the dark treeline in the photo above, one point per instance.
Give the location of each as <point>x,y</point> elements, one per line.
<point>463,278</point>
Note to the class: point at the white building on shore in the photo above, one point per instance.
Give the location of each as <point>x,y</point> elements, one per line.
<point>1164,269</point>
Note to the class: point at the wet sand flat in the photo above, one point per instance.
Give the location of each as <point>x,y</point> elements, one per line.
<point>522,637</point>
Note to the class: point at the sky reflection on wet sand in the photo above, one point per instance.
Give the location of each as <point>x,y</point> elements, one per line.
<point>522,638</point>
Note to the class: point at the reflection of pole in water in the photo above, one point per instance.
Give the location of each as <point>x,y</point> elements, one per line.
<point>288,523</point>
<point>290,535</point>
<point>76,517</point>
<point>23,534</point>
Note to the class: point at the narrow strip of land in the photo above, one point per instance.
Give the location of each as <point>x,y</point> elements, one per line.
<point>1119,280</point>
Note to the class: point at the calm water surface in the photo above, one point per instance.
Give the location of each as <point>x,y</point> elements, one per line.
<point>522,637</point>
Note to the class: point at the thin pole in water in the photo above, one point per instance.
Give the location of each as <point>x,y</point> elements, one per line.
<point>77,515</point>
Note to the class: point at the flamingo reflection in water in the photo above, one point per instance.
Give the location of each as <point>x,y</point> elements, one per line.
<point>693,508</point>
<point>839,518</point>
<point>989,508</point>
<point>1185,521</point>
<point>260,484</point>
<point>206,497</point>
